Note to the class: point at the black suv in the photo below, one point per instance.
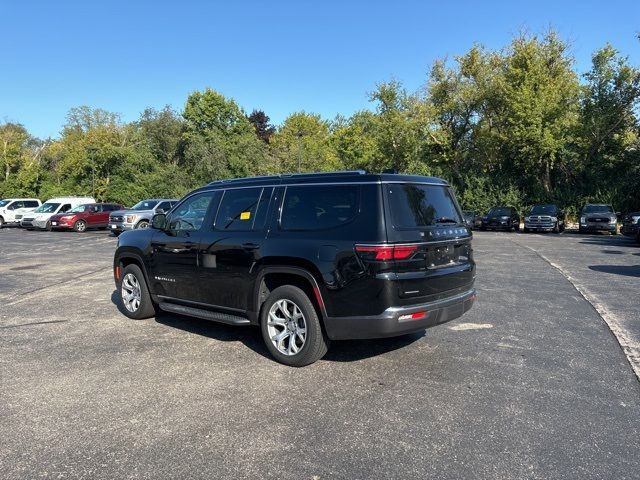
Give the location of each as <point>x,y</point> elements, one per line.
<point>307,257</point>
<point>501,218</point>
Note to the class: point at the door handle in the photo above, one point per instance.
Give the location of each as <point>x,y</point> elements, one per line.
<point>250,246</point>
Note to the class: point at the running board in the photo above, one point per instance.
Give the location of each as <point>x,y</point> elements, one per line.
<point>204,314</point>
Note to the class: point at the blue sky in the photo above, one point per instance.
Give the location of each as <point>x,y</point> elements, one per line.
<point>281,57</point>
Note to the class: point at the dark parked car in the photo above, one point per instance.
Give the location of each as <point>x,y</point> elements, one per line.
<point>501,218</point>
<point>83,217</point>
<point>545,218</point>
<point>308,258</point>
<point>631,225</point>
<point>598,217</point>
<point>471,220</point>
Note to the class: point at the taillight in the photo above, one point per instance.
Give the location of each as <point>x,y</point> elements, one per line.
<point>384,253</point>
<point>412,316</point>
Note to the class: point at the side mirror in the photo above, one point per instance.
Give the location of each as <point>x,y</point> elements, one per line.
<point>159,221</point>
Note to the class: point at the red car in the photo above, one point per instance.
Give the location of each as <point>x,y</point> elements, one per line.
<point>89,215</point>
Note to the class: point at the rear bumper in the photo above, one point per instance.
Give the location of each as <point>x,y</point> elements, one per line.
<point>389,323</point>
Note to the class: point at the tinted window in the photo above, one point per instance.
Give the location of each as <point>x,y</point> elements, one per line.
<point>238,209</point>
<point>30,204</point>
<point>66,207</point>
<point>416,206</point>
<point>317,207</point>
<point>190,214</point>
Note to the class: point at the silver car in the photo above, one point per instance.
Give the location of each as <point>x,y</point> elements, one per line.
<point>139,216</point>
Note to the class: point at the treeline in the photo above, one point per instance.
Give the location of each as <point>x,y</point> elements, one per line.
<point>515,126</point>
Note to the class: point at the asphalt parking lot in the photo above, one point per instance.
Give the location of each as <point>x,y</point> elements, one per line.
<point>531,383</point>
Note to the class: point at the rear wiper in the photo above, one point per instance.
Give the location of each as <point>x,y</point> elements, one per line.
<point>445,220</point>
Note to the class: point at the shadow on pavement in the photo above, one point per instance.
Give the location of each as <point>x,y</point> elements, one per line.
<point>251,337</point>
<point>626,270</point>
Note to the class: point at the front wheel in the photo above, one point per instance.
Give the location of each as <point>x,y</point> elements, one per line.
<point>556,228</point>
<point>135,300</point>
<point>1,222</point>
<point>142,224</point>
<point>80,226</point>
<point>291,328</point>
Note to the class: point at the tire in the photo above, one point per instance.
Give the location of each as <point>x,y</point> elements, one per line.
<point>556,228</point>
<point>80,226</point>
<point>142,224</point>
<point>526,230</point>
<point>282,305</point>
<point>1,222</point>
<point>132,282</point>
<point>48,227</point>
<point>116,234</point>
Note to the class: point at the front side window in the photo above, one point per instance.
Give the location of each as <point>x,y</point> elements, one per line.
<point>79,209</point>
<point>164,206</point>
<point>419,206</point>
<point>189,216</point>
<point>238,209</point>
<point>318,207</point>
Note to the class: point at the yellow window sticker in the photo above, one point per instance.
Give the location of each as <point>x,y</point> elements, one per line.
<point>245,215</point>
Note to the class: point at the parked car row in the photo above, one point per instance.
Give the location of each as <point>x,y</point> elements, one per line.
<point>79,213</point>
<point>594,217</point>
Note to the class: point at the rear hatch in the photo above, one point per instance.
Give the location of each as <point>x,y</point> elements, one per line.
<point>425,224</point>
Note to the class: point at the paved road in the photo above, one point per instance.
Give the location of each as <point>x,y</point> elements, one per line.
<point>606,270</point>
<point>529,384</point>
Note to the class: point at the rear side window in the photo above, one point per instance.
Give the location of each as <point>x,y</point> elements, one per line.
<point>317,207</point>
<point>66,207</point>
<point>238,208</point>
<point>417,206</point>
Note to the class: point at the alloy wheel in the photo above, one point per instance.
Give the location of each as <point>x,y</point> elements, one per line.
<point>287,327</point>
<point>130,292</point>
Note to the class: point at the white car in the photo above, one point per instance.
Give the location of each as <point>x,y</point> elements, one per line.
<point>13,209</point>
<point>39,218</point>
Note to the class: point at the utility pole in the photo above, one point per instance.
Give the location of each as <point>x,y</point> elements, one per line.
<point>299,134</point>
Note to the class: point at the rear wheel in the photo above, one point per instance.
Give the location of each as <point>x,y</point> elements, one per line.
<point>135,300</point>
<point>291,328</point>
<point>80,226</point>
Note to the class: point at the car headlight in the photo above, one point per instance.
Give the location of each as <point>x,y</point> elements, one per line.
<point>635,219</point>
<point>130,218</point>
<point>526,219</point>
<point>613,220</point>
<point>583,219</point>
<point>554,219</point>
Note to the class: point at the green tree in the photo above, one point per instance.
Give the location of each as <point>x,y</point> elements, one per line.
<point>303,144</point>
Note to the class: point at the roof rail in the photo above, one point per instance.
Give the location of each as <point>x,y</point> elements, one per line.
<point>289,175</point>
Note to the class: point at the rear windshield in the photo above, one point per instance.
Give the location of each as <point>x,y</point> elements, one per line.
<point>544,209</point>
<point>598,209</point>
<point>417,205</point>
